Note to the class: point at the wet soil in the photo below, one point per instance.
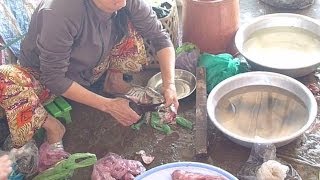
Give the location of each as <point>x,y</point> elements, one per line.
<point>96,132</point>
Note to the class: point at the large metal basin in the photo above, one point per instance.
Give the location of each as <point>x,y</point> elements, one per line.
<point>268,79</point>
<point>278,20</point>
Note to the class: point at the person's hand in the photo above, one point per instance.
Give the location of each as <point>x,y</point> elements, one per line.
<point>120,110</point>
<point>170,95</point>
<point>5,167</point>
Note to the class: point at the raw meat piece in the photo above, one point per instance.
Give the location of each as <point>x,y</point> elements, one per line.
<point>128,176</point>
<point>185,175</point>
<point>113,166</point>
<point>147,159</point>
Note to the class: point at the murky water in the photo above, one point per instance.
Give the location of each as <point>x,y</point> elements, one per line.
<point>183,88</point>
<point>261,112</point>
<point>283,47</point>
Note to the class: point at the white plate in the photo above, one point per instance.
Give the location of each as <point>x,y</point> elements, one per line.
<point>164,172</point>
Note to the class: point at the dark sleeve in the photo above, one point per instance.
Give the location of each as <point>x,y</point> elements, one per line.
<point>145,21</point>
<point>54,42</point>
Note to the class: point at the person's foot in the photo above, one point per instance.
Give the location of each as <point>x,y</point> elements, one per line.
<point>54,129</point>
<point>114,83</point>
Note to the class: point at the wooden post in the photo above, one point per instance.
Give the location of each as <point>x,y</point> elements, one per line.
<point>201,141</point>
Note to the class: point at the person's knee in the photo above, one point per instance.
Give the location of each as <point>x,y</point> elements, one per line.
<point>63,129</point>
<point>17,75</point>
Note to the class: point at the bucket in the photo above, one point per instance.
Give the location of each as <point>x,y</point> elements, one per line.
<point>211,24</point>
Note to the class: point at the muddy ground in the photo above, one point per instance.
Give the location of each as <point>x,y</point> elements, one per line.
<point>97,132</point>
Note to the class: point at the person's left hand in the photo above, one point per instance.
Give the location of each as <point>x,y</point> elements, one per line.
<point>170,95</point>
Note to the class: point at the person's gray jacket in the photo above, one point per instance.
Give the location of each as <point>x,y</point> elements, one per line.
<point>67,38</point>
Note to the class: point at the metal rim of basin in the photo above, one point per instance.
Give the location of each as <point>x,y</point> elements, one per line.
<point>211,103</point>
<point>278,19</point>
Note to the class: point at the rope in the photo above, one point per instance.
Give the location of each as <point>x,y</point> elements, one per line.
<point>12,42</point>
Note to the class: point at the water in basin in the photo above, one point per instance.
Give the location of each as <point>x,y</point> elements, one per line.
<point>283,47</point>
<point>261,112</point>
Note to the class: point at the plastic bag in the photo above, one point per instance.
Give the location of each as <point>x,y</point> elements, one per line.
<point>113,166</point>
<point>26,158</point>
<point>187,56</point>
<point>49,156</point>
<point>65,168</point>
<point>220,67</point>
<point>260,154</point>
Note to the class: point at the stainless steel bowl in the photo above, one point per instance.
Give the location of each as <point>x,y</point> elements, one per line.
<point>268,79</point>
<point>185,83</point>
<point>278,20</point>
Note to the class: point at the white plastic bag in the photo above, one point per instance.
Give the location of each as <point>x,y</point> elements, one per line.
<point>262,162</point>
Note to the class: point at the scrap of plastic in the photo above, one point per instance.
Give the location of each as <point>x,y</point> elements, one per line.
<point>183,122</point>
<point>220,67</point>
<point>113,166</point>
<point>65,168</point>
<point>260,154</point>
<point>25,158</point>
<point>187,57</point>
<point>49,156</point>
<point>157,124</point>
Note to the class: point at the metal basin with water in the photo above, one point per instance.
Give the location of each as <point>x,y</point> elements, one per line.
<point>269,80</point>
<point>280,20</point>
<point>185,83</point>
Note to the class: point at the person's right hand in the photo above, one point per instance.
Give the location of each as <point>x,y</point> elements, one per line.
<point>120,110</point>
<point>5,167</point>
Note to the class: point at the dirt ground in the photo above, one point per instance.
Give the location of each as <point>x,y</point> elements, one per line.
<point>97,132</point>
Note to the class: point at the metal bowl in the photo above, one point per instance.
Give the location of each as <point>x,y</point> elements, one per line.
<point>266,79</point>
<point>185,83</point>
<point>278,20</point>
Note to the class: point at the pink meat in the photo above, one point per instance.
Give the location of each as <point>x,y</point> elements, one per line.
<point>314,88</point>
<point>134,167</point>
<point>118,168</point>
<point>168,116</point>
<point>128,176</point>
<point>184,175</point>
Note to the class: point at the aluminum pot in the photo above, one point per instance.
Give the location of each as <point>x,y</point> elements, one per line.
<point>278,20</point>
<point>268,79</point>
<point>185,83</point>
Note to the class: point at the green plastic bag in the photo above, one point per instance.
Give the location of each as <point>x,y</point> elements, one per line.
<point>65,168</point>
<point>220,67</point>
<point>156,124</point>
